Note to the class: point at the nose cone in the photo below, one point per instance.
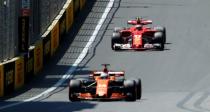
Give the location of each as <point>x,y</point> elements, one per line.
<point>101,94</point>
<point>102,87</point>
<point>137,41</point>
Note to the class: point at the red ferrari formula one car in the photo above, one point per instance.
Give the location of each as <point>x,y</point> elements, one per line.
<point>139,36</point>
<point>105,85</point>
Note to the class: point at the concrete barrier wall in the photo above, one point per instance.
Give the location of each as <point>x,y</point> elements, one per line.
<point>38,56</point>
<point>20,70</point>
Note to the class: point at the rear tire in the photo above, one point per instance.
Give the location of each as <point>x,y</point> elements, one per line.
<point>74,87</point>
<point>130,90</point>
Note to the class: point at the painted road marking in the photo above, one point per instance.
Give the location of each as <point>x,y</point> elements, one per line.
<point>74,66</point>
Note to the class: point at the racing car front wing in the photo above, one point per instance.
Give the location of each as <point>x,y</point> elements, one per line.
<point>129,47</point>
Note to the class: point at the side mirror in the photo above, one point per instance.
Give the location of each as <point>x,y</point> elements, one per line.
<point>132,22</point>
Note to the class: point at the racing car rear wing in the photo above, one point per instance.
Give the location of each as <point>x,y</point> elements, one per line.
<point>98,73</point>
<point>143,22</point>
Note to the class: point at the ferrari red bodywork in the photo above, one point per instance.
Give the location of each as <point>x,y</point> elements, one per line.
<point>135,38</point>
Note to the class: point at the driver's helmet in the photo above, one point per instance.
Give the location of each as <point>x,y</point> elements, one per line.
<point>138,27</point>
<point>104,75</point>
<point>138,20</point>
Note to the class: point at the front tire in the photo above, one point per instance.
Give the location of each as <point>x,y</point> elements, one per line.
<point>158,38</point>
<point>138,89</point>
<point>74,87</point>
<point>162,29</point>
<point>130,90</point>
<point>115,39</point>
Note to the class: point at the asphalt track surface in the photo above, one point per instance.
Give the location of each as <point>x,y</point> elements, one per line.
<point>174,80</point>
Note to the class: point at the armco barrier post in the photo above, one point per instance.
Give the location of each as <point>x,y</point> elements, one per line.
<point>29,65</point>
<point>54,37</point>
<point>19,72</point>
<point>9,73</point>
<point>69,15</point>
<point>1,80</point>
<point>38,57</point>
<point>46,46</point>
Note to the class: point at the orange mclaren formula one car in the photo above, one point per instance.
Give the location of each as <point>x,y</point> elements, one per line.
<point>105,85</point>
<point>139,36</point>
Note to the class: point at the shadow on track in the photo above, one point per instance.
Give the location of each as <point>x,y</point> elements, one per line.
<point>50,107</point>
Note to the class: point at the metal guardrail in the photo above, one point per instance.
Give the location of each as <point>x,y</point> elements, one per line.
<point>42,14</point>
<point>8,28</point>
<point>49,9</point>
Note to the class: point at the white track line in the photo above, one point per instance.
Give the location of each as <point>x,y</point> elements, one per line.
<point>74,66</point>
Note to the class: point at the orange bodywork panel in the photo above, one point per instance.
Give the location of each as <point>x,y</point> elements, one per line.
<point>102,87</point>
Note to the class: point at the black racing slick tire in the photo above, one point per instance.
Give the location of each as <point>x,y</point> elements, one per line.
<point>130,90</point>
<point>74,87</point>
<point>115,39</point>
<point>158,37</point>
<point>138,88</point>
<point>162,29</point>
<point>82,79</point>
<point>118,29</point>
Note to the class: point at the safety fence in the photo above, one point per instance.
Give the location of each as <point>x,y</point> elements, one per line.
<point>19,70</point>
<point>8,28</point>
<point>40,14</point>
